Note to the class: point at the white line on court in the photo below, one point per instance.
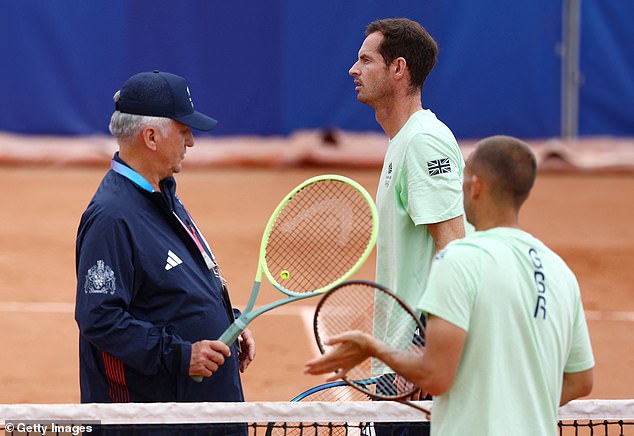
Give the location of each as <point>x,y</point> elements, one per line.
<point>304,311</point>
<point>39,307</point>
<point>608,315</point>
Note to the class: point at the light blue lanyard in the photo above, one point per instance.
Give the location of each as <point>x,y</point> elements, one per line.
<point>132,175</point>
<point>138,179</point>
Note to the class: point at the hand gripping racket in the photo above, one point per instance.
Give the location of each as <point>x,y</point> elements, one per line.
<point>371,308</point>
<point>318,236</point>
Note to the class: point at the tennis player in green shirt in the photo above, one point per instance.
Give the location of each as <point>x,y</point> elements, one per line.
<point>507,340</point>
<point>419,197</point>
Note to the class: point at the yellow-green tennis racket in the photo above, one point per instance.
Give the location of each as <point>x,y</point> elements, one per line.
<point>317,237</point>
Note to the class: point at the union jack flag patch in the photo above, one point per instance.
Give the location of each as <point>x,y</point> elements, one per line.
<point>440,166</point>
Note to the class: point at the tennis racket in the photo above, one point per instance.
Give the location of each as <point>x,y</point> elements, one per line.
<point>373,309</point>
<point>318,236</point>
<point>330,392</point>
<point>336,391</point>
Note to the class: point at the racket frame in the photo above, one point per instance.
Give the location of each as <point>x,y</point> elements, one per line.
<point>355,383</point>
<point>333,384</point>
<point>230,335</point>
<point>248,314</point>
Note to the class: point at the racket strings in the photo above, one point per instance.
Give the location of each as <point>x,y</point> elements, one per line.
<point>363,307</point>
<point>318,236</point>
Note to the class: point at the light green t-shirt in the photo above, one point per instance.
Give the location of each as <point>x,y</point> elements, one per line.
<point>521,307</point>
<point>421,183</point>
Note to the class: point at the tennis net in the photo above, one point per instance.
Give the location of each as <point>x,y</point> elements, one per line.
<point>583,417</point>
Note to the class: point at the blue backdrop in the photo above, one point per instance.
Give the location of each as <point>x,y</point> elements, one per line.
<point>275,66</point>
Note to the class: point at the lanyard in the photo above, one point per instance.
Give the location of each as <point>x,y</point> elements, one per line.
<point>193,233</point>
<point>210,261</point>
<point>132,175</point>
<point>139,180</point>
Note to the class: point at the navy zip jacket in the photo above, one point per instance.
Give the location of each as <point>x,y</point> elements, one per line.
<point>144,295</point>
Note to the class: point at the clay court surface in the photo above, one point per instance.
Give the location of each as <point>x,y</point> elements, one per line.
<point>585,217</point>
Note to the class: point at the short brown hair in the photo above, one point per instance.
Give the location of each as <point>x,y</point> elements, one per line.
<point>405,38</point>
<point>508,164</point>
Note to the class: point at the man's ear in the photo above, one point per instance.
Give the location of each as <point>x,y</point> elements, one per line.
<point>149,135</point>
<point>476,187</point>
<point>399,67</point>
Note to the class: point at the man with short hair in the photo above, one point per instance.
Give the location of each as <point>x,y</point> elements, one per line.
<point>507,341</point>
<point>149,291</point>
<point>419,197</point>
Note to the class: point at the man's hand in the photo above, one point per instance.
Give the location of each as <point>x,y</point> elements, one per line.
<point>351,349</point>
<point>207,356</point>
<point>247,349</point>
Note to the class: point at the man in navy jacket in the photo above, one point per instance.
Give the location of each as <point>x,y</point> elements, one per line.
<point>150,295</point>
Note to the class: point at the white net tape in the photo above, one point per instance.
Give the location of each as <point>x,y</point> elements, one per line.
<point>179,413</point>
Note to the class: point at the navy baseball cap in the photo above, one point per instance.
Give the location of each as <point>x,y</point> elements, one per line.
<point>161,94</point>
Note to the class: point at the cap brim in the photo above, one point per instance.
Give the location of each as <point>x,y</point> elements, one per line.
<point>197,121</point>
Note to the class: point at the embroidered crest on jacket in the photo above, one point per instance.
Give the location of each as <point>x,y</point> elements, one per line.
<point>100,279</point>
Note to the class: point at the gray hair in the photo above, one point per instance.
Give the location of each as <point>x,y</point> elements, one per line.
<point>124,125</point>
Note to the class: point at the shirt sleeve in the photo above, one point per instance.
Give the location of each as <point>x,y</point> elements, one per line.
<point>431,185</point>
<point>106,280</point>
<point>580,357</point>
<point>449,293</point>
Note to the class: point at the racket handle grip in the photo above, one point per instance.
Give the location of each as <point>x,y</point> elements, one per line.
<point>228,337</point>
<point>233,331</point>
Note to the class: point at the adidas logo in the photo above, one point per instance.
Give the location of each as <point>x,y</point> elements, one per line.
<point>172,260</point>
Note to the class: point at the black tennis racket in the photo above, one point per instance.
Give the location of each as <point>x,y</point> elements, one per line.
<point>373,309</point>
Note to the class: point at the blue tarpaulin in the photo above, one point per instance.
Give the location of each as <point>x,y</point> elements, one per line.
<point>272,67</point>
